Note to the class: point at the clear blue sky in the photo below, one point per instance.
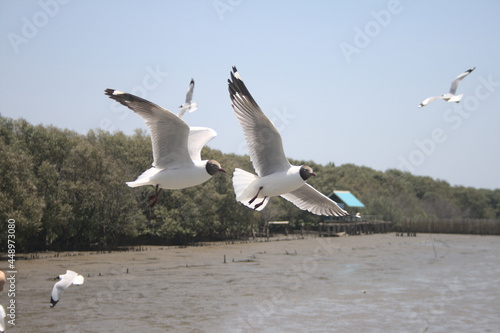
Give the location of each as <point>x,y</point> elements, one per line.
<point>340,79</point>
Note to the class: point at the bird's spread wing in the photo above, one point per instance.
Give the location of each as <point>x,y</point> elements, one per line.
<point>428,100</point>
<point>308,198</point>
<point>189,93</point>
<point>456,82</point>
<point>198,137</point>
<point>182,111</point>
<point>169,133</point>
<point>263,139</point>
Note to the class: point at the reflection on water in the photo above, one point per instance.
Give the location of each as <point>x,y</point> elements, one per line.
<point>438,283</point>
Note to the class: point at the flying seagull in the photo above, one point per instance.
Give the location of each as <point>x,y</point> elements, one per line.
<point>66,280</point>
<point>449,97</point>
<point>276,176</point>
<point>188,105</point>
<point>177,148</point>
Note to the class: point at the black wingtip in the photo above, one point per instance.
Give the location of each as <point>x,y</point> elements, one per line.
<point>233,74</point>
<point>52,302</point>
<point>111,93</point>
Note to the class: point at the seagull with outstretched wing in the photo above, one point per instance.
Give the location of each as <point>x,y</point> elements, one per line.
<point>450,96</point>
<point>275,175</point>
<point>177,148</point>
<point>66,280</point>
<point>188,105</point>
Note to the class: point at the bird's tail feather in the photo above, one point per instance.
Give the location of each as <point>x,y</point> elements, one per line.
<point>145,178</point>
<point>456,98</point>
<point>241,181</point>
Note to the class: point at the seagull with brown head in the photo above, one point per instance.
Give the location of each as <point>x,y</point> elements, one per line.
<point>177,162</point>
<point>275,175</point>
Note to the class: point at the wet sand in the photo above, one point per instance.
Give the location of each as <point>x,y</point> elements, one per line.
<point>373,283</point>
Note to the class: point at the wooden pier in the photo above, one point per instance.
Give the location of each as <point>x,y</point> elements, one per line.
<point>340,228</point>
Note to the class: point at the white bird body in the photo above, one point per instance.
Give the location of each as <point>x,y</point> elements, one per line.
<point>174,179</point>
<point>272,185</point>
<point>192,107</point>
<point>449,97</point>
<point>65,281</point>
<point>275,175</point>
<point>177,147</point>
<point>452,98</point>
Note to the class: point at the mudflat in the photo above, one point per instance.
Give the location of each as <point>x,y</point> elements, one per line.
<point>370,283</point>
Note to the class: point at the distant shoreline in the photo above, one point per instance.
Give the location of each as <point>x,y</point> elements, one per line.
<point>143,248</point>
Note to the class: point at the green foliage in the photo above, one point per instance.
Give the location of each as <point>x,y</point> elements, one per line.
<point>67,191</point>
<point>19,199</point>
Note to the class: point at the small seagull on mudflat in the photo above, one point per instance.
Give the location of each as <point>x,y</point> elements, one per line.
<point>188,105</point>
<point>66,280</point>
<point>449,97</point>
<point>177,148</point>
<point>276,176</point>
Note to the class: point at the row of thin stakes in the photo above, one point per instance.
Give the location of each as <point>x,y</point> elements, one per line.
<point>451,226</point>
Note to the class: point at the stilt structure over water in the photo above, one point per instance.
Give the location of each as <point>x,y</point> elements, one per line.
<point>354,224</point>
<point>341,228</point>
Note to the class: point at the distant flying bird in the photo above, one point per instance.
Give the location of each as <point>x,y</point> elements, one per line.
<point>449,97</point>
<point>188,105</point>
<point>177,148</point>
<point>276,176</point>
<point>66,280</point>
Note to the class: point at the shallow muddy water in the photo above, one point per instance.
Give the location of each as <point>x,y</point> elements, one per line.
<point>375,283</point>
